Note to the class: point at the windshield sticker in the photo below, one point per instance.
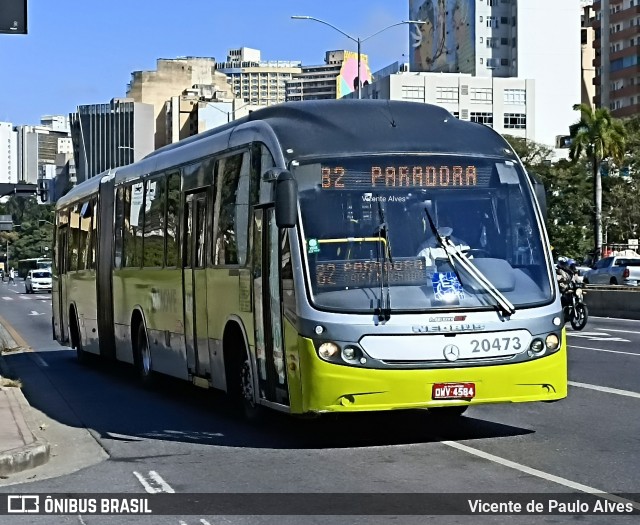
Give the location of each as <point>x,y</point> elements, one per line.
<point>446,286</point>
<point>313,246</point>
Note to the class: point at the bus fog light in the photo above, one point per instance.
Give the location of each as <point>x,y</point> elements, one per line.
<point>536,349</point>
<point>328,350</point>
<point>349,353</point>
<point>552,342</point>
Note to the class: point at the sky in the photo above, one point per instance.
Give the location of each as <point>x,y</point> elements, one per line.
<point>81,52</point>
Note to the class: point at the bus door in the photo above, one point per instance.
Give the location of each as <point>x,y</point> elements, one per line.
<point>270,354</point>
<point>195,283</point>
<point>59,285</point>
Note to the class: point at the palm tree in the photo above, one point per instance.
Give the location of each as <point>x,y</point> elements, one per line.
<point>599,136</point>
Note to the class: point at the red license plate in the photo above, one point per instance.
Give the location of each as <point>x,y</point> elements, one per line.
<point>453,390</point>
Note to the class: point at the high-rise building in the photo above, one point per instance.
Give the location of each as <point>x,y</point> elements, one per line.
<point>110,135</point>
<point>8,154</point>
<point>255,81</point>
<point>38,146</point>
<point>617,56</point>
<point>527,39</point>
<point>335,78</point>
<point>588,54</point>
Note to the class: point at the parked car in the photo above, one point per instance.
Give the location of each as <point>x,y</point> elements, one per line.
<point>615,270</point>
<point>38,281</point>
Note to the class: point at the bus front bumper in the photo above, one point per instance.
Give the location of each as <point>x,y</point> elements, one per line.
<point>328,387</point>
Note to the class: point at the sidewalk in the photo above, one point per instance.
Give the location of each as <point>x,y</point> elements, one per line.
<point>19,448</point>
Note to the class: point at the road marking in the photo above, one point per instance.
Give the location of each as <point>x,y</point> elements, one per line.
<point>33,312</point>
<point>202,520</point>
<point>39,359</point>
<point>540,474</point>
<point>8,298</point>
<point>160,484</point>
<point>623,331</point>
<point>603,350</point>
<point>606,389</point>
<point>597,336</point>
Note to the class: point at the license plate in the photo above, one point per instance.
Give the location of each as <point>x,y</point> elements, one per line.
<point>453,390</point>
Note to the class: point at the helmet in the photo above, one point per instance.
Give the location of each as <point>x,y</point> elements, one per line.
<point>563,261</point>
<point>571,263</point>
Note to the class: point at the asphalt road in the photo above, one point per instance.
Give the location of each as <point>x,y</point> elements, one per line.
<point>110,435</point>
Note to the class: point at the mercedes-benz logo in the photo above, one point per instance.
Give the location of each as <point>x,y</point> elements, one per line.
<point>451,352</point>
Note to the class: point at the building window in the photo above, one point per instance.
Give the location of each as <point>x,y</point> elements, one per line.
<point>446,94</point>
<point>515,121</point>
<point>482,95</point>
<point>413,92</point>
<point>482,117</point>
<point>504,61</point>
<point>515,96</point>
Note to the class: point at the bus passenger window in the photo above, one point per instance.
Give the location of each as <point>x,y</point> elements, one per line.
<point>119,226</point>
<point>225,250</point>
<point>172,214</point>
<point>153,246</point>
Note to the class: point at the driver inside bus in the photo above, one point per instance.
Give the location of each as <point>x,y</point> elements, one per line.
<point>431,249</point>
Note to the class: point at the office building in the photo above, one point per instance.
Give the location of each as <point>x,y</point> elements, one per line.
<point>39,146</point>
<point>336,78</point>
<point>617,56</point>
<point>110,135</point>
<point>255,81</point>
<point>505,104</point>
<point>588,54</point>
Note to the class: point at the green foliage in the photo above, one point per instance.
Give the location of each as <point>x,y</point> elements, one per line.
<point>30,237</point>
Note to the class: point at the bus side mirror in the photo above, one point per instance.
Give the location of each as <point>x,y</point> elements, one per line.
<point>541,195</point>
<point>286,200</point>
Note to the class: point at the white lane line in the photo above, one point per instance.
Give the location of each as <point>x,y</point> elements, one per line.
<point>8,298</point>
<point>154,485</point>
<point>613,319</point>
<point>39,359</point>
<point>540,474</point>
<point>204,522</point>
<point>605,389</point>
<point>603,350</point>
<point>623,331</point>
<point>161,482</point>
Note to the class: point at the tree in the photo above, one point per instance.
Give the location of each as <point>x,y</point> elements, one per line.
<point>598,136</point>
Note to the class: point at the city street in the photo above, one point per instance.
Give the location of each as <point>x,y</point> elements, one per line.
<point>109,434</point>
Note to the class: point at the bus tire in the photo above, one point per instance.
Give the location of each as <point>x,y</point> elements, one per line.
<point>142,357</point>
<point>240,380</point>
<point>445,413</point>
<point>76,338</point>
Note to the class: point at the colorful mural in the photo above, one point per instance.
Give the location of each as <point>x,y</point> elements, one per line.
<point>346,81</point>
<point>446,41</point>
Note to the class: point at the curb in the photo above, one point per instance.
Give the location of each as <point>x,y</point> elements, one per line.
<point>35,452</point>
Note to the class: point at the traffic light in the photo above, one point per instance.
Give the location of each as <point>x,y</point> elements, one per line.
<point>13,17</point>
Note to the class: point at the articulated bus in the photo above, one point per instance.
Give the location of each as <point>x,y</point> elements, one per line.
<point>322,256</point>
<point>36,263</point>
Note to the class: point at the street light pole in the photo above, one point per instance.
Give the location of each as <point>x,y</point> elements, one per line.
<point>357,40</point>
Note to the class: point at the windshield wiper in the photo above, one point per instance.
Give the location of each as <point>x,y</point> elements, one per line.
<point>383,309</point>
<point>454,254</point>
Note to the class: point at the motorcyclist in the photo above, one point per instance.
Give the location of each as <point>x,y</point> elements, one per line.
<point>566,272</point>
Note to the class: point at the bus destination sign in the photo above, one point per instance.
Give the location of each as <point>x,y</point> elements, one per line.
<point>399,177</point>
<point>366,273</point>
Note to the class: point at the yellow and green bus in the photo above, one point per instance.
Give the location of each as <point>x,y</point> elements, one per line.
<point>322,256</point>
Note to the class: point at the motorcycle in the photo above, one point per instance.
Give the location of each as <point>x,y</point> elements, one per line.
<point>574,308</point>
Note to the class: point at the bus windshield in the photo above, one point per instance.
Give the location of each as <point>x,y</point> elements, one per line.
<point>373,231</point>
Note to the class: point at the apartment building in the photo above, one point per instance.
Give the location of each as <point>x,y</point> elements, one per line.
<point>525,39</point>
<point>617,56</point>
<point>257,82</point>
<point>8,154</point>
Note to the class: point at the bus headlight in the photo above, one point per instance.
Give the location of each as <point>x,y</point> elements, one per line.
<point>328,350</point>
<point>552,342</point>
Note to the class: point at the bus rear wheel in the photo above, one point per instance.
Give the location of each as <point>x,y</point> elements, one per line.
<point>143,357</point>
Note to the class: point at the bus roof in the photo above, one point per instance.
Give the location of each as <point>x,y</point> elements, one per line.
<point>326,128</point>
